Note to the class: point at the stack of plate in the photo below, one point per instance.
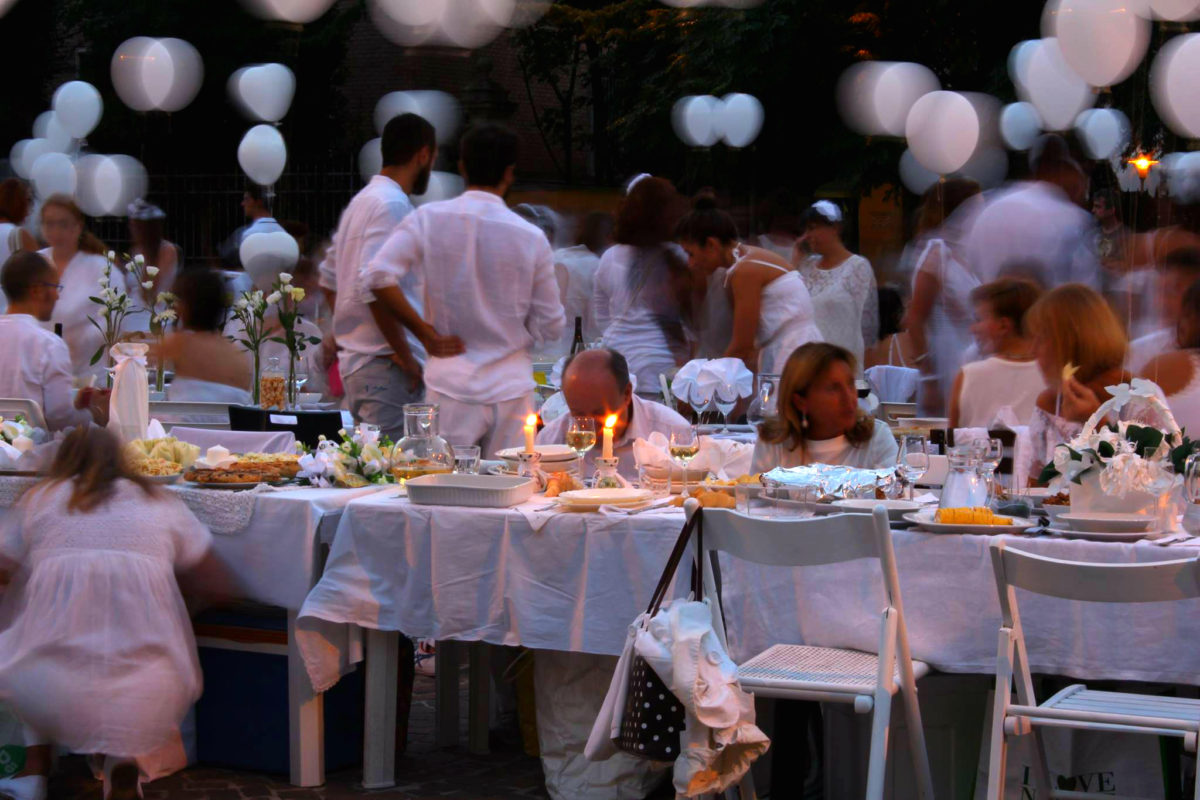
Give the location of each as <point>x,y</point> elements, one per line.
<point>555,458</point>
<point>592,499</point>
<point>1104,527</point>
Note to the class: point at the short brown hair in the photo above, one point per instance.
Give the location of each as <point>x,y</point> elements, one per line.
<point>1082,328</point>
<point>22,271</point>
<point>14,200</point>
<point>648,215</point>
<point>1008,298</point>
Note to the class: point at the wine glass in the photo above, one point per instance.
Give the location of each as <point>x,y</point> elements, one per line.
<point>912,461</point>
<point>991,453</point>
<point>581,437</point>
<point>765,402</point>
<point>684,446</point>
<point>723,405</point>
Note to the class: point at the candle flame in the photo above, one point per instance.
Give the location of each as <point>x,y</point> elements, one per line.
<point>531,420</point>
<point>610,421</point>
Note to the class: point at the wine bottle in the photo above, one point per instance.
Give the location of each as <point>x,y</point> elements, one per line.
<point>58,329</point>
<point>577,343</point>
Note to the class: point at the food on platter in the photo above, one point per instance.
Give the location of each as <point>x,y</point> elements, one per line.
<point>227,476</point>
<point>1060,499</point>
<point>970,516</point>
<point>708,499</point>
<point>167,448</point>
<point>732,482</point>
<point>156,467</point>
<point>559,482</point>
<point>285,464</point>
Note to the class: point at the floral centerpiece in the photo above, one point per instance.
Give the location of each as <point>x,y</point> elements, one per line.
<point>17,437</point>
<point>359,460</point>
<point>250,309</point>
<point>1126,466</point>
<point>162,313</point>
<point>115,303</point>
<point>287,298</point>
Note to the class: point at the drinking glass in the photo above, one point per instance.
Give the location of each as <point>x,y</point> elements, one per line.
<point>466,459</point>
<point>913,461</point>
<point>684,447</point>
<point>581,437</point>
<point>723,405</point>
<point>765,403</point>
<point>990,453</point>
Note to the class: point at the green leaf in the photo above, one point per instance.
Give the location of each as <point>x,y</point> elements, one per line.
<point>97,356</point>
<point>1106,450</point>
<point>313,340</point>
<point>1048,473</point>
<point>277,339</point>
<point>96,300</point>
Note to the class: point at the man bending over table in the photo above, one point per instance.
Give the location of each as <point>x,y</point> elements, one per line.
<point>488,280</point>
<point>596,384</point>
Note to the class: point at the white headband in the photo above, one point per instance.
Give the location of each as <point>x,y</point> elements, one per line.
<point>828,210</point>
<point>634,181</point>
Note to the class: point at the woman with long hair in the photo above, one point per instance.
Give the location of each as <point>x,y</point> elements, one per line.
<point>642,290</point>
<point>819,420</point>
<point>79,259</point>
<point>96,648</point>
<point>772,312</point>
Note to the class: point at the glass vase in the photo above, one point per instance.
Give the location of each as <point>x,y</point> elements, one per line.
<point>256,395</point>
<point>291,381</point>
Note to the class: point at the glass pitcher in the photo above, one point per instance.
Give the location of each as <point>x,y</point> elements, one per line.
<point>964,486</point>
<point>766,398</point>
<point>422,451</point>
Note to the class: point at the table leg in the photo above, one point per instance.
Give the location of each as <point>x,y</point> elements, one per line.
<point>446,724</point>
<point>306,718</point>
<point>379,742</point>
<point>479,699</point>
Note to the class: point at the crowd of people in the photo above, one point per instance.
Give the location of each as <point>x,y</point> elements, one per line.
<point>1020,308</point>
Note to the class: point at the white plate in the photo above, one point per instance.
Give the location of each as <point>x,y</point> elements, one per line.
<point>592,499</point>
<point>677,474</point>
<point>550,452</point>
<point>896,508</point>
<point>924,519</point>
<point>164,479</point>
<point>1102,536</point>
<point>1106,522</point>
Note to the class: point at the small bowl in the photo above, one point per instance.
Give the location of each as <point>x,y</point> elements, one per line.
<point>1107,522</point>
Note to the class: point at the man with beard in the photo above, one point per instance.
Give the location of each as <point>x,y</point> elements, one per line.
<point>380,366</point>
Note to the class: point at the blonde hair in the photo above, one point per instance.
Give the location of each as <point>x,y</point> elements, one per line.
<point>1082,329</point>
<point>806,364</point>
<point>88,241</point>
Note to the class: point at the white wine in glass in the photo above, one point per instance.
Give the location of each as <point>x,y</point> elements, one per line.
<point>683,447</point>
<point>581,437</point>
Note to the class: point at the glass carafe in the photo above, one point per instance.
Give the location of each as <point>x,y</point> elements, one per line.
<point>766,398</point>
<point>422,451</point>
<point>964,486</point>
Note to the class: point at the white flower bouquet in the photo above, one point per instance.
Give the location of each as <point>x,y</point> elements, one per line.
<point>361,459</point>
<point>251,309</point>
<point>286,298</point>
<point>17,438</point>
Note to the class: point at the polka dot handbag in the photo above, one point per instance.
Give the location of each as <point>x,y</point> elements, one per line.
<point>653,719</point>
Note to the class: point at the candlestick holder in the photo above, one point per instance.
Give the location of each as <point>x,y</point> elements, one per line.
<point>607,476</point>
<point>529,465</point>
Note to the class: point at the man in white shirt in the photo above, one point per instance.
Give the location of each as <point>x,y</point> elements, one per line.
<point>380,366</point>
<point>595,384</point>
<point>34,363</point>
<point>488,284</point>
<point>254,204</point>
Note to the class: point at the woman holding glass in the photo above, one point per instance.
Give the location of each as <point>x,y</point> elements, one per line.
<point>818,420</point>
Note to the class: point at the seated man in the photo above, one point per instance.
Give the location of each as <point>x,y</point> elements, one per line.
<point>596,384</point>
<point>34,363</point>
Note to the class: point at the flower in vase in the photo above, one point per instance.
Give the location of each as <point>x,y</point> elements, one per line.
<point>112,256</point>
<point>285,277</point>
<point>147,285</point>
<point>297,294</point>
<point>140,260</point>
<point>166,297</point>
<point>9,430</point>
<point>273,298</point>
<point>151,271</point>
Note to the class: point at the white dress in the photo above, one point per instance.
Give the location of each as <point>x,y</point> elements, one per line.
<point>81,280</point>
<point>785,316</point>
<point>96,647</point>
<point>579,266</point>
<point>845,302</point>
<point>878,452</point>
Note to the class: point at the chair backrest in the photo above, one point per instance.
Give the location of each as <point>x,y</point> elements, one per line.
<point>308,426</point>
<point>890,412</point>
<point>29,409</point>
<point>196,414</point>
<point>238,441</point>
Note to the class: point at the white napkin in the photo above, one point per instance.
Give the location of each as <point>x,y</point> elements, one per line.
<point>726,376</point>
<point>725,458</point>
<point>129,405</point>
<point>653,452</point>
<point>683,385</point>
<point>217,457</point>
<point>537,513</point>
<point>554,407</point>
<point>155,430</point>
<point>1022,449</point>
<point>894,384</point>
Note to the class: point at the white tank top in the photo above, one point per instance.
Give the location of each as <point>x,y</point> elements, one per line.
<point>993,383</point>
<point>786,318</point>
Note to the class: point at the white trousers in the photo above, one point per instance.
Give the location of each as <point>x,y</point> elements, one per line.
<point>492,426</point>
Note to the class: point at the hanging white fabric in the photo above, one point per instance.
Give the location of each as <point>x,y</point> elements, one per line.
<point>129,406</point>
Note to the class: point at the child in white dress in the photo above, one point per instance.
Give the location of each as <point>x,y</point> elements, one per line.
<point>96,647</point>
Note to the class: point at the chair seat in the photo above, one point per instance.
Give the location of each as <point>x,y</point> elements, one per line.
<point>1084,700</point>
<point>829,669</point>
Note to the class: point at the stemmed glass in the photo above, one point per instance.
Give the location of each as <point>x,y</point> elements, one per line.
<point>989,452</point>
<point>684,447</point>
<point>723,405</point>
<point>581,437</point>
<point>765,404</point>
<point>912,461</point>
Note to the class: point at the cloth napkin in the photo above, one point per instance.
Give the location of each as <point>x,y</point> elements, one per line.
<point>894,384</point>
<point>155,430</point>
<point>726,375</point>
<point>129,405</point>
<point>684,385</point>
<point>537,514</point>
<point>725,458</point>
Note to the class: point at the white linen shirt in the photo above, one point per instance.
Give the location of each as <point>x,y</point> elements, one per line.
<point>878,452</point>
<point>261,225</point>
<point>648,417</point>
<point>488,278</point>
<point>370,218</point>
<point>81,280</point>
<point>36,365</point>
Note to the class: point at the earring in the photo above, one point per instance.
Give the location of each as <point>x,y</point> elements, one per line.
<point>803,421</point>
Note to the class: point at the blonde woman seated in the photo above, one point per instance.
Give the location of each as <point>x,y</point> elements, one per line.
<point>819,419</point>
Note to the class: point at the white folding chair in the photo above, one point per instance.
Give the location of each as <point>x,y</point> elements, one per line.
<point>1077,706</point>
<point>827,674</point>
<point>30,409</point>
<point>212,416</point>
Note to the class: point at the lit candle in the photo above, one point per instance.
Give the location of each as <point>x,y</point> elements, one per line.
<point>530,432</point>
<point>610,422</point>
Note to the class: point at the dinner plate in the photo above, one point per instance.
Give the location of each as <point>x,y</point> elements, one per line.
<point>1106,522</point>
<point>592,499</point>
<point>896,509</point>
<point>233,487</point>
<point>550,452</point>
<point>1102,536</point>
<point>924,520</point>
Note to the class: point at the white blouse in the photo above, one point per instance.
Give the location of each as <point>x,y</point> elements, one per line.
<point>845,302</point>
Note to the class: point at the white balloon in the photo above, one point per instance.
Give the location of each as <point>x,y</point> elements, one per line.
<point>1055,90</point>
<point>78,106</point>
<point>440,109</point>
<point>14,158</point>
<point>1020,125</point>
<point>86,169</point>
<point>895,91</point>
<point>741,118</point>
<point>302,11</point>
<point>1018,65</point>
<point>53,173</point>
<point>1173,85</point>
<point>917,178</point>
<point>943,130</point>
<point>370,159</point>
<point>31,152</point>
<point>262,154</point>
<point>695,120</point>
<point>123,181</point>
<point>126,71</point>
<point>263,92</point>
<point>156,74</point>
<point>1175,10</point>
<point>265,255</point>
<point>442,186</point>
<point>5,5</point>
<point>1103,132</point>
<point>856,96</point>
<point>1103,41</point>
<point>47,127</point>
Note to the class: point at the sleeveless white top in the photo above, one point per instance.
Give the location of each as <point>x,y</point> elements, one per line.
<point>993,383</point>
<point>785,318</point>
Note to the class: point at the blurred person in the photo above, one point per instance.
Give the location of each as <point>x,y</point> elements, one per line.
<point>893,347</point>
<point>15,201</point>
<point>487,279</point>
<point>841,284</point>
<point>78,258</point>
<point>1039,221</point>
<point>819,420</point>
<point>146,222</point>
<point>578,264</point>
<point>96,648</point>
<point>1112,236</point>
<point>208,366</point>
<point>642,290</point>
<point>772,312</point>
<point>380,365</point>
<point>306,275</point>
<point>780,224</point>
<point>34,363</point>
<point>1178,270</point>
<point>1072,328</point>
<point>595,384</point>
<point>939,314</point>
<point>1009,374</point>
<point>258,211</point>
<point>1129,287</point>
<point>1177,373</point>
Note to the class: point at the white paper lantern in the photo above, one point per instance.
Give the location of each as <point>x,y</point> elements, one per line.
<point>78,107</point>
<point>1020,125</point>
<point>943,131</point>
<point>263,92</point>
<point>1174,88</point>
<point>1104,132</point>
<point>262,154</point>
<point>53,173</point>
<point>1055,90</point>
<point>1103,41</point>
<point>695,120</point>
<point>265,255</point>
<point>916,177</point>
<point>741,119</point>
<point>370,159</point>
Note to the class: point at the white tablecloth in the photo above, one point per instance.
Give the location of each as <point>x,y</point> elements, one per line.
<point>574,585</point>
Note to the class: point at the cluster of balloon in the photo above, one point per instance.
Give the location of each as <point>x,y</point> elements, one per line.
<point>1103,132</point>
<point>454,23</point>
<point>263,92</point>
<point>152,74</point>
<point>874,97</point>
<point>77,110</point>
<point>441,110</point>
<point>299,11</point>
<point>703,120</point>
<point>108,184</point>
